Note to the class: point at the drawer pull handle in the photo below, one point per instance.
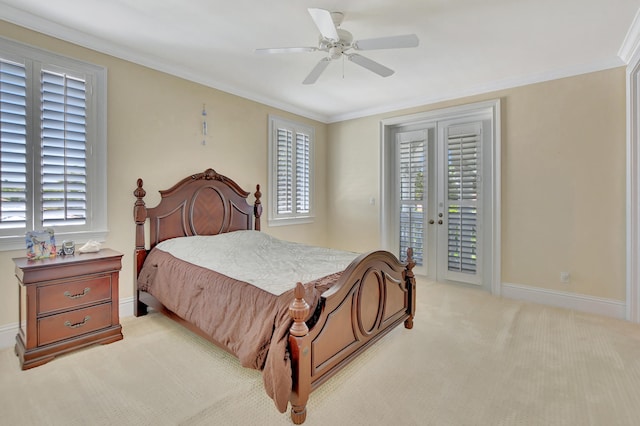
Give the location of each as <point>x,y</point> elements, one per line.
<point>79,324</point>
<point>79,295</point>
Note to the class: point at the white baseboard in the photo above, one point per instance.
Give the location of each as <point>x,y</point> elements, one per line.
<point>579,302</point>
<point>8,331</point>
<point>8,335</point>
<point>126,307</point>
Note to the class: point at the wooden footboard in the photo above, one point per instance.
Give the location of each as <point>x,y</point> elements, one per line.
<point>374,295</point>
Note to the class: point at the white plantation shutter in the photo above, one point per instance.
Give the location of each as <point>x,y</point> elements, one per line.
<point>412,166</point>
<point>13,145</point>
<point>284,170</point>
<point>463,160</point>
<point>53,146</point>
<point>63,156</point>
<point>303,173</point>
<point>291,172</point>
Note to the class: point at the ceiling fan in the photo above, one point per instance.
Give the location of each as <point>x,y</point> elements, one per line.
<point>338,42</point>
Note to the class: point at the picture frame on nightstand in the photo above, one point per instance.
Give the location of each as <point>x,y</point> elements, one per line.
<point>41,244</point>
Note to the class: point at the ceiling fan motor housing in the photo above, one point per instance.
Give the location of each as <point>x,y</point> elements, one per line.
<point>337,18</point>
<point>337,48</point>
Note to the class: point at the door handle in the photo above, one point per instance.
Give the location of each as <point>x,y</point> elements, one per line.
<point>440,222</point>
<point>431,222</point>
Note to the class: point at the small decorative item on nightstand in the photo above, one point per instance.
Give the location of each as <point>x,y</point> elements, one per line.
<point>90,247</point>
<point>68,248</point>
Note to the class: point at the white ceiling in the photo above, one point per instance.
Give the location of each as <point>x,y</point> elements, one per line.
<point>466,46</point>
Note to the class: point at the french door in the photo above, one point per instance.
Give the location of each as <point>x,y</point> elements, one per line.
<point>439,193</point>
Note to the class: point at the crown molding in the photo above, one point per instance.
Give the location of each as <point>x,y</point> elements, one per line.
<point>485,88</point>
<point>631,41</point>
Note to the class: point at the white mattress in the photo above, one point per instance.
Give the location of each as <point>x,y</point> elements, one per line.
<point>259,259</point>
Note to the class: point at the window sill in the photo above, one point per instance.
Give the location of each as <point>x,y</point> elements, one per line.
<point>19,242</point>
<point>290,221</point>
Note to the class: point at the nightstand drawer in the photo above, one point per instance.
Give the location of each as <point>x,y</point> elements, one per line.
<point>74,323</point>
<point>71,294</point>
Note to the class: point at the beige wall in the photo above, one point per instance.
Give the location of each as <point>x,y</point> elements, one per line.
<point>154,133</point>
<point>563,182</point>
<point>563,169</point>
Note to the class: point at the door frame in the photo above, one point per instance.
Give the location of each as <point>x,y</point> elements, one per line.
<point>492,231</point>
<point>633,188</point>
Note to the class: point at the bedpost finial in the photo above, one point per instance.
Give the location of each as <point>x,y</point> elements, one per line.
<point>410,264</point>
<point>299,310</point>
<point>139,192</point>
<point>257,194</point>
<point>410,261</point>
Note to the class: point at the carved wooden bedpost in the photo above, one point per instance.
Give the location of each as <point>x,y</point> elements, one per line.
<point>410,282</point>
<point>299,345</point>
<point>257,208</point>
<point>140,217</point>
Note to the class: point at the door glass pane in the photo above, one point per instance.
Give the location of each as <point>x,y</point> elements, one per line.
<point>412,149</point>
<point>463,152</point>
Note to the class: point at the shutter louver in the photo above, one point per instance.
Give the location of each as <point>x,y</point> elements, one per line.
<point>13,145</point>
<point>63,156</point>
<point>463,145</point>
<point>412,196</point>
<point>285,172</point>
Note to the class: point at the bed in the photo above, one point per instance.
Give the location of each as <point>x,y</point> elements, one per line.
<point>298,336</point>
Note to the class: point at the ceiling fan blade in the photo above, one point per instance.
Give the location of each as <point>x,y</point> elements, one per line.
<point>325,24</point>
<point>393,42</point>
<point>371,65</point>
<point>286,50</point>
<point>316,71</point>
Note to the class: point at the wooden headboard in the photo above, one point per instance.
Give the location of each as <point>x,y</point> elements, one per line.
<point>206,203</point>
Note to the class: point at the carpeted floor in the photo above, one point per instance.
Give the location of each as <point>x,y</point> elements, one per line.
<point>471,359</point>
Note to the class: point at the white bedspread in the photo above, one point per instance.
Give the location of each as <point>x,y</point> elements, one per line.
<point>259,259</point>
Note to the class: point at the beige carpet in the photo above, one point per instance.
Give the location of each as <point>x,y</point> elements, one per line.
<point>471,359</point>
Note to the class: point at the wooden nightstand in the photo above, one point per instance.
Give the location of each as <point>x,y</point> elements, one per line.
<point>66,302</point>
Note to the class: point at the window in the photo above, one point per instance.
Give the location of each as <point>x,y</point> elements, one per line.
<point>53,146</point>
<point>290,172</point>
